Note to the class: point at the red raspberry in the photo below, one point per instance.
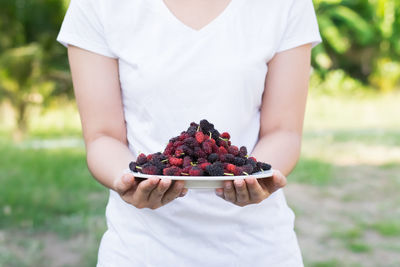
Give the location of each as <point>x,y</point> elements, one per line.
<point>179,152</point>
<point>175,161</point>
<point>231,168</point>
<point>199,137</point>
<point>222,150</point>
<point>204,165</point>
<point>238,171</point>
<point>196,171</point>
<point>226,135</point>
<point>253,158</point>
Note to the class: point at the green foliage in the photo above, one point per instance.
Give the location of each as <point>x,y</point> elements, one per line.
<point>360,38</point>
<point>28,75</point>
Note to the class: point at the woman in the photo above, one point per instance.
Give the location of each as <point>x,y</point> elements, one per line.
<point>142,71</point>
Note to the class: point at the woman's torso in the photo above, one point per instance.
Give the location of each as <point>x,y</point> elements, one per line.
<point>170,76</point>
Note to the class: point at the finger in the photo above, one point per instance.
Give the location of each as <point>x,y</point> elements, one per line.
<point>158,192</point>
<point>242,194</point>
<point>220,192</point>
<point>142,194</point>
<point>184,192</point>
<point>278,181</point>
<point>256,192</point>
<point>229,191</point>
<point>173,192</point>
<point>124,183</point>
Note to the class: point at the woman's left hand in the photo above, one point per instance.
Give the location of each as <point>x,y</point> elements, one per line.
<point>243,192</point>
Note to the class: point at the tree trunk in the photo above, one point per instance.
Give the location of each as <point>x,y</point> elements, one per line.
<point>21,119</point>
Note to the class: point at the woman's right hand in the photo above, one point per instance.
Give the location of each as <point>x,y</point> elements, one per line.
<point>150,193</point>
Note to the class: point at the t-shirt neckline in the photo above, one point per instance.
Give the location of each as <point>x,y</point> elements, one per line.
<point>213,24</point>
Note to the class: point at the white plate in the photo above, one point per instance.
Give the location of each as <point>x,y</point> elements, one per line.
<point>206,181</point>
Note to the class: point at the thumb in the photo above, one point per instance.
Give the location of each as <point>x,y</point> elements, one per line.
<point>124,183</point>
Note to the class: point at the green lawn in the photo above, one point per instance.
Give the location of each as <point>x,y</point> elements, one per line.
<point>344,189</point>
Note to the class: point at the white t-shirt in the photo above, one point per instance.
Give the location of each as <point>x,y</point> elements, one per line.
<point>170,76</point>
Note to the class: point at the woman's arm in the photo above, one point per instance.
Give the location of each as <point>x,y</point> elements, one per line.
<point>283,108</point>
<point>98,95</point>
<point>282,116</point>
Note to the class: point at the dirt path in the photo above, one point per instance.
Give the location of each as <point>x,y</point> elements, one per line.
<point>353,222</point>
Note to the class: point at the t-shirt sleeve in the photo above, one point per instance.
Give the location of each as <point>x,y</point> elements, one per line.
<point>82,27</point>
<point>301,27</point>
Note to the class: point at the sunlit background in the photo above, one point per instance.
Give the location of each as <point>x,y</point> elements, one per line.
<point>344,191</point>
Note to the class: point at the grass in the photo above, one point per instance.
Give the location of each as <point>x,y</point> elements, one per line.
<point>321,174</point>
<point>358,247</point>
<point>388,228</point>
<point>48,190</point>
<point>42,188</point>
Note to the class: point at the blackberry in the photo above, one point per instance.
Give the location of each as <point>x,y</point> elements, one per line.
<point>238,161</point>
<point>190,142</point>
<point>213,157</point>
<point>172,171</point>
<point>150,169</point>
<point>233,150</point>
<point>252,162</point>
<point>215,134</point>
<point>207,147</point>
<point>199,153</point>
<point>192,130</point>
<point>201,161</point>
<point>263,166</point>
<point>206,126</point>
<point>132,166</point>
<point>223,143</point>
<point>243,151</point>
<point>215,169</point>
<point>174,139</point>
<point>183,136</point>
<point>141,159</point>
<point>248,169</point>
<point>229,158</point>
<point>187,161</point>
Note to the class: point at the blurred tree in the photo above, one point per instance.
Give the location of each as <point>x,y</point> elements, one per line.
<point>33,68</point>
<point>360,37</point>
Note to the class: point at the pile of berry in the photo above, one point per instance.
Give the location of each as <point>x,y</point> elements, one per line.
<point>199,151</point>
